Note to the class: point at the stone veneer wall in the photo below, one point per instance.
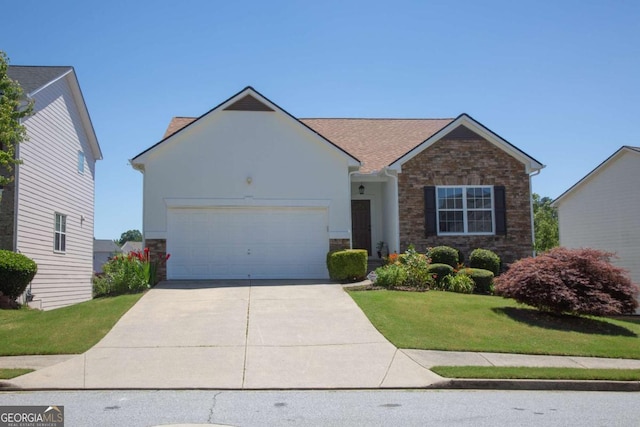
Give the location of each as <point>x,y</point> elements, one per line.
<point>338,244</point>
<point>158,250</point>
<point>7,217</point>
<point>466,160</point>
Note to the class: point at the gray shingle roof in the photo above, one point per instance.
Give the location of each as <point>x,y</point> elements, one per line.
<point>102,245</point>
<point>32,78</point>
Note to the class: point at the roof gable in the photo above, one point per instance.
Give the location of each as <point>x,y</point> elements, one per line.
<point>33,79</point>
<point>464,126</point>
<point>247,99</point>
<point>605,164</point>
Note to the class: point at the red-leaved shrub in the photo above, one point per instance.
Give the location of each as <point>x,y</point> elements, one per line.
<point>576,281</point>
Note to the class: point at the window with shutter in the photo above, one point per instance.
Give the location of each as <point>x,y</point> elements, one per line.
<point>460,210</point>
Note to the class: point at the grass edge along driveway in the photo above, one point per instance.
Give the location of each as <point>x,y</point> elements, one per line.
<point>68,330</point>
<point>437,320</point>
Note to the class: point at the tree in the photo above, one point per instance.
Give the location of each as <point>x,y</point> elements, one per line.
<point>130,236</point>
<point>13,107</point>
<point>545,224</point>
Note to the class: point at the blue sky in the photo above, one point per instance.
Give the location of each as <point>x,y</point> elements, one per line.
<point>558,79</point>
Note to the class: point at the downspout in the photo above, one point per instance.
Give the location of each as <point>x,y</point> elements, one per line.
<point>396,223</point>
<point>533,230</point>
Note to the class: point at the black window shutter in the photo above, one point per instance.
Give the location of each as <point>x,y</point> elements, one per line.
<point>500,200</point>
<point>430,211</point>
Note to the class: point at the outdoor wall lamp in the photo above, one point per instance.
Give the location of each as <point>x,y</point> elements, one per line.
<point>361,189</point>
<point>249,180</point>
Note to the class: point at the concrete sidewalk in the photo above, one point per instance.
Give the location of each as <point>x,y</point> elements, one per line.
<point>259,335</point>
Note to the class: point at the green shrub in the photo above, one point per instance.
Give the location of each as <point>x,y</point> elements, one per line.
<point>482,278</point>
<point>348,265</point>
<point>444,255</point>
<point>460,283</point>
<point>485,259</point>
<point>441,271</point>
<point>417,267</point>
<point>16,271</point>
<point>121,275</point>
<point>391,276</point>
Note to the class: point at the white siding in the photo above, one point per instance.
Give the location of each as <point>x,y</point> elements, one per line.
<point>604,212</point>
<point>49,182</point>
<point>211,160</point>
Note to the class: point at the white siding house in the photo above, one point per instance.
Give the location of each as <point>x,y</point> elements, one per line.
<point>602,210</point>
<point>53,197</point>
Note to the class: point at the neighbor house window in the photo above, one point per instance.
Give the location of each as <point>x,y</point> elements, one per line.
<point>80,162</point>
<point>465,209</point>
<point>60,234</point>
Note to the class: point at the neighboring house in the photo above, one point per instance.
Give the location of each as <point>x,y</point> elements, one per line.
<point>131,247</point>
<point>602,210</point>
<point>103,251</point>
<point>249,191</point>
<point>47,213</point>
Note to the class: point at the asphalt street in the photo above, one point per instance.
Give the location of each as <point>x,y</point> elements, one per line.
<point>338,408</point>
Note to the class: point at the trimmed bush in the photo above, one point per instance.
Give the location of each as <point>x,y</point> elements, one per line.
<point>460,283</point>
<point>482,278</point>
<point>574,281</point>
<point>348,265</point>
<point>444,255</point>
<point>16,271</point>
<point>391,276</point>
<point>485,259</point>
<point>441,271</point>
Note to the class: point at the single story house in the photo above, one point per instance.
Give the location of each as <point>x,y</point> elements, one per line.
<point>47,212</point>
<point>247,190</point>
<point>103,251</point>
<point>601,211</point>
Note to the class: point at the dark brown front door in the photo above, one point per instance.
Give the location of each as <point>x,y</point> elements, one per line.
<point>361,224</point>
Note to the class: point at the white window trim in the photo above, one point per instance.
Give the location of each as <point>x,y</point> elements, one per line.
<point>465,211</point>
<point>57,232</point>
<point>81,159</point>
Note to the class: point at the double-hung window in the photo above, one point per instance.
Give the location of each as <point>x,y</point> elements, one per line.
<point>60,233</point>
<point>465,209</point>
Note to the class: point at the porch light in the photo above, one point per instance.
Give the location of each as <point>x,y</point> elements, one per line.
<point>361,189</point>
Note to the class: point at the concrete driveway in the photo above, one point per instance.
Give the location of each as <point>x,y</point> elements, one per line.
<point>238,335</point>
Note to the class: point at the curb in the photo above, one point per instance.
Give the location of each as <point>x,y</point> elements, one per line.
<point>453,384</point>
<point>566,385</point>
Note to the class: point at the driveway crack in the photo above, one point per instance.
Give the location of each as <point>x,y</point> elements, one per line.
<point>246,338</point>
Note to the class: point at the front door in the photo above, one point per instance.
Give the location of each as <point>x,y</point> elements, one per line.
<point>361,224</point>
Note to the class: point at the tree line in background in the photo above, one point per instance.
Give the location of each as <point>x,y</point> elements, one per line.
<point>545,223</point>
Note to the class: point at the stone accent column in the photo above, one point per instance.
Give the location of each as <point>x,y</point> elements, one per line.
<point>158,250</point>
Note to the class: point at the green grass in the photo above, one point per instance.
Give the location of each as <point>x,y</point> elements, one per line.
<point>448,321</point>
<point>492,372</point>
<point>68,330</point>
<point>7,374</point>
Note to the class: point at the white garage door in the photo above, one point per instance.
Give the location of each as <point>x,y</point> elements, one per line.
<point>241,243</point>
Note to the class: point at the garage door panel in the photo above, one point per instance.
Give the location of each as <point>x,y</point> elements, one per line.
<point>247,242</point>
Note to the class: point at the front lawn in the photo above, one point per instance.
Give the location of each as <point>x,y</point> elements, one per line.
<point>68,330</point>
<point>7,374</point>
<point>448,321</point>
<point>493,372</point>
